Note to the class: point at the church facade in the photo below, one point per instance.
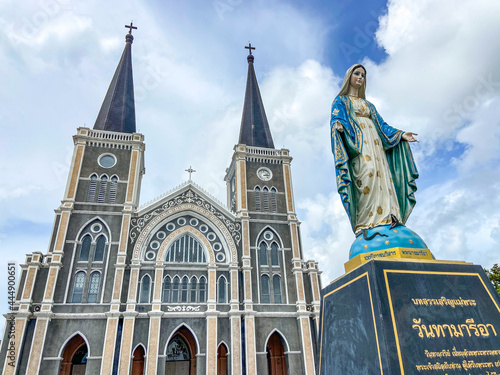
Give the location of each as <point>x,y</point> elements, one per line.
<point>183,285</point>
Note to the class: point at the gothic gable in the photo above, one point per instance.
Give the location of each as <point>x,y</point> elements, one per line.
<point>190,207</point>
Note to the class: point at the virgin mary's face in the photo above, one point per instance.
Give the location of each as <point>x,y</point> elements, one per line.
<point>357,77</point>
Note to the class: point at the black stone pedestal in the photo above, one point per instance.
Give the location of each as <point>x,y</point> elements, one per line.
<point>410,317</point>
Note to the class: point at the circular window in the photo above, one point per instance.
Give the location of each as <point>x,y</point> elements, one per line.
<point>170,227</point>
<point>154,245</point>
<point>220,257</point>
<point>217,246</point>
<point>268,235</point>
<point>181,221</point>
<point>193,222</point>
<point>161,235</point>
<point>211,236</point>
<point>150,255</point>
<point>107,161</point>
<point>96,228</point>
<point>203,228</point>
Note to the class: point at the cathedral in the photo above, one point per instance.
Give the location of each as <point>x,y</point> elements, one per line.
<point>183,285</point>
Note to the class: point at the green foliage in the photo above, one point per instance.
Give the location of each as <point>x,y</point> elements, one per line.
<point>494,276</point>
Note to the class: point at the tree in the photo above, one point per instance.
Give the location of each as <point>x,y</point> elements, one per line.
<point>494,276</point>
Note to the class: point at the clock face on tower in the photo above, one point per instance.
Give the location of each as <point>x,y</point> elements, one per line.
<point>264,174</point>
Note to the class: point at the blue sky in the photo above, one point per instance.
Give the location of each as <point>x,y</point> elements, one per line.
<point>432,69</point>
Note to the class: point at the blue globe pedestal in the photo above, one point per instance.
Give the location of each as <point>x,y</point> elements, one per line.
<point>394,316</point>
<point>383,242</point>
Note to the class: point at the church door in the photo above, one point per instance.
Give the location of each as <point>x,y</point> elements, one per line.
<point>138,361</point>
<point>222,360</point>
<point>276,355</point>
<point>181,354</point>
<point>74,360</point>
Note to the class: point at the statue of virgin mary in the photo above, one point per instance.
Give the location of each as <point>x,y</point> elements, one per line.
<point>374,164</point>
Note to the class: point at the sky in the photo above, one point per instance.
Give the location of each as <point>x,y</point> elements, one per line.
<point>432,68</point>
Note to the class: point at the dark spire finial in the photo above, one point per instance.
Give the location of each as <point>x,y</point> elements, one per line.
<point>250,48</point>
<point>130,27</point>
<point>254,130</point>
<point>118,108</point>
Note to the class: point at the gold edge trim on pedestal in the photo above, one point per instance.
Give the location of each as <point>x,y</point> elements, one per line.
<point>373,317</point>
<point>424,273</point>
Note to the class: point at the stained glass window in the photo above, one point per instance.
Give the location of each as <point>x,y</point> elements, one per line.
<point>177,350</point>
<point>78,287</point>
<point>186,250</point>
<point>95,279</point>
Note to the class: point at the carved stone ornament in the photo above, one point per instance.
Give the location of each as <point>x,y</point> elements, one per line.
<point>140,226</point>
<point>183,308</point>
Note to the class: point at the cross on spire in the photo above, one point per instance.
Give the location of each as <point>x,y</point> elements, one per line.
<point>249,48</point>
<point>130,27</point>
<point>190,171</point>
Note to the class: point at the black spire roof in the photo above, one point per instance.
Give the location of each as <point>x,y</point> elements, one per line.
<point>254,130</point>
<point>118,109</point>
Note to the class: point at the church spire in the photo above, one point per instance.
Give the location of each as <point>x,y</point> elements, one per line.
<point>254,130</point>
<point>118,109</point>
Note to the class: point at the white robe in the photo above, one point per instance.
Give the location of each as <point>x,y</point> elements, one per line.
<point>375,190</point>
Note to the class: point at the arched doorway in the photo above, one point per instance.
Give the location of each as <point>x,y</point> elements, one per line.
<point>138,361</point>
<point>276,355</point>
<point>181,354</point>
<point>222,360</point>
<point>74,360</point>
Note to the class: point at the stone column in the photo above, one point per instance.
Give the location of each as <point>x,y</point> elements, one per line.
<point>43,317</point>
<point>235,321</point>
<point>42,322</point>
<point>250,344</point>
<point>33,263</point>
<point>109,342</point>
<point>153,342</point>
<point>129,321</point>
<point>211,351</point>
<point>313,271</point>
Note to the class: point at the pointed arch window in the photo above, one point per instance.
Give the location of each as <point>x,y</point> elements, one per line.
<point>85,249</point>
<point>95,280</point>
<point>277,289</point>
<point>192,289</point>
<point>145,289</point>
<point>275,260</point>
<point>263,254</point>
<point>222,290</point>
<point>257,199</point>
<point>102,189</point>
<point>203,287</point>
<point>186,249</point>
<point>265,199</point>
<point>78,286</point>
<point>92,188</point>
<point>167,286</point>
<point>184,290</point>
<point>112,189</point>
<point>99,249</point>
<point>175,290</point>
<point>265,295</point>
<point>274,200</point>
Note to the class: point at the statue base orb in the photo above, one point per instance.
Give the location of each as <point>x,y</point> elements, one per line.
<point>383,242</point>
